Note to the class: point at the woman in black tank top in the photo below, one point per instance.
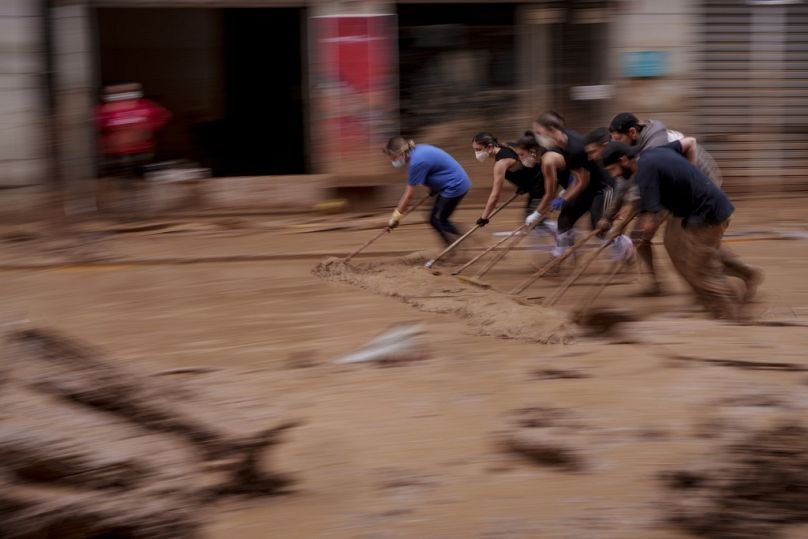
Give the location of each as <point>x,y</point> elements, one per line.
<point>506,167</point>
<point>531,178</point>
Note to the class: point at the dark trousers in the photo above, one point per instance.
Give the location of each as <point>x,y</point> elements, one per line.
<point>533,199</point>
<point>439,217</point>
<point>589,201</point>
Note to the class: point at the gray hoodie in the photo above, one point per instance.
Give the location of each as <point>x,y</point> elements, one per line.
<point>652,135</point>
<point>655,134</point>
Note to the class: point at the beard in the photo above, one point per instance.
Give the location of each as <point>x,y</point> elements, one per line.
<point>626,172</point>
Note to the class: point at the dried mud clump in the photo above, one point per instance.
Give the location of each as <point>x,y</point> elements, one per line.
<point>331,267</point>
<point>88,449</point>
<point>546,437</point>
<point>557,374</point>
<point>752,488</point>
<point>604,321</point>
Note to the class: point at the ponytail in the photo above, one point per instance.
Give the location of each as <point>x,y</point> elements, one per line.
<point>398,144</point>
<point>551,120</point>
<point>484,138</point>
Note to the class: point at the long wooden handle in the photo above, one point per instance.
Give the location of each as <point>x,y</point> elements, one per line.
<point>590,300</point>
<point>462,238</point>
<point>386,230</point>
<point>479,256</point>
<point>497,259</point>
<point>361,248</point>
<point>553,299</point>
<point>553,262</point>
<point>555,296</point>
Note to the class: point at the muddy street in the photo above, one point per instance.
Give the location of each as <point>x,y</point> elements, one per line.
<point>503,419</point>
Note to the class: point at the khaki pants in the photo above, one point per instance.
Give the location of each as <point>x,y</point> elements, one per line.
<point>699,258</point>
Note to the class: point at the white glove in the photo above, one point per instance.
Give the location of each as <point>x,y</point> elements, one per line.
<point>533,219</point>
<point>394,219</point>
<point>621,249</point>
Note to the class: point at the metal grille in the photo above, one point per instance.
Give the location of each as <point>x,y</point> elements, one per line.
<point>752,105</point>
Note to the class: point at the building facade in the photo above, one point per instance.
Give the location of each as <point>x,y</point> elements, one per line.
<point>268,87</point>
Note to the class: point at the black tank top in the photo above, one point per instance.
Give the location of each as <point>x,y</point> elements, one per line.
<point>526,179</point>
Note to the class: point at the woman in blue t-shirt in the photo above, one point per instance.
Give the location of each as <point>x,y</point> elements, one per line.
<point>439,172</point>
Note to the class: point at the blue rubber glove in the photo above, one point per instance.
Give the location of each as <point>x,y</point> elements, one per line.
<point>557,203</point>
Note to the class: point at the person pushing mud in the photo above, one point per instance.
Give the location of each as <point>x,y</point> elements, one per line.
<point>436,170</point>
<point>667,181</point>
<point>627,129</point>
<point>586,188</point>
<point>518,163</point>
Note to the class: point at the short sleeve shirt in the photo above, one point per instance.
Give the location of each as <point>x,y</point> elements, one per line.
<point>667,180</point>
<point>437,170</point>
<point>576,158</point>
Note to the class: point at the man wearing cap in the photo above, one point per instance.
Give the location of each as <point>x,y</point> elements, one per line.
<point>641,136</point>
<point>668,182</point>
<point>627,128</point>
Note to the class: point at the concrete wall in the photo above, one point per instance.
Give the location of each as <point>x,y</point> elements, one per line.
<point>656,25</point>
<point>637,25</point>
<point>22,101</point>
<point>73,95</point>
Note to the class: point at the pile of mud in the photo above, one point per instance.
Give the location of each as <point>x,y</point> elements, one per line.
<point>88,449</point>
<point>488,312</point>
<point>546,436</point>
<point>755,487</point>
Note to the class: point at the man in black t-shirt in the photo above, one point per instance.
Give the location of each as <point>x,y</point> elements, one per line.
<point>641,136</point>
<point>668,182</point>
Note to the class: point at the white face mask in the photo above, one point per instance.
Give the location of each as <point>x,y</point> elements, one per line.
<point>398,163</point>
<point>529,162</point>
<point>545,141</point>
<point>481,155</point>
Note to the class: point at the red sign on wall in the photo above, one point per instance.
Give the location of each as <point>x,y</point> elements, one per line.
<point>354,91</point>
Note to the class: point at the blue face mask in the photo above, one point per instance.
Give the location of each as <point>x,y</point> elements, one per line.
<point>398,163</point>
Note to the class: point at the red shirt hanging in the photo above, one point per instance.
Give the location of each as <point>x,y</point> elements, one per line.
<point>128,127</point>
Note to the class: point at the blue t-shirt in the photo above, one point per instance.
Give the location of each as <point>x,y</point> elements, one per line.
<point>437,170</point>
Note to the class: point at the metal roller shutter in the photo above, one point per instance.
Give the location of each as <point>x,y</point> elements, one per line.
<point>752,93</point>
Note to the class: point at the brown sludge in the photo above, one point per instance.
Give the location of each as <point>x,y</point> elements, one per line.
<point>88,449</point>
<point>756,487</point>
<point>546,437</point>
<point>488,312</point>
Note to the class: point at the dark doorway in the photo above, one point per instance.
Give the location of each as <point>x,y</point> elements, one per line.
<point>264,104</point>
<point>230,77</point>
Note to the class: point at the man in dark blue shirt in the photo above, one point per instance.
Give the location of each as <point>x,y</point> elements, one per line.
<point>668,182</point>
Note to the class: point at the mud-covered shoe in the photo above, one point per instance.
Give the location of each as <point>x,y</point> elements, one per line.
<point>752,285</point>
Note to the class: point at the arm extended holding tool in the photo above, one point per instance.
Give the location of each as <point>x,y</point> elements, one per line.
<point>404,199</point>
<point>551,162</point>
<point>402,207</point>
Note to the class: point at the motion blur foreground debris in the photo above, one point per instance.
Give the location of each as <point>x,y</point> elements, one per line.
<point>88,449</point>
